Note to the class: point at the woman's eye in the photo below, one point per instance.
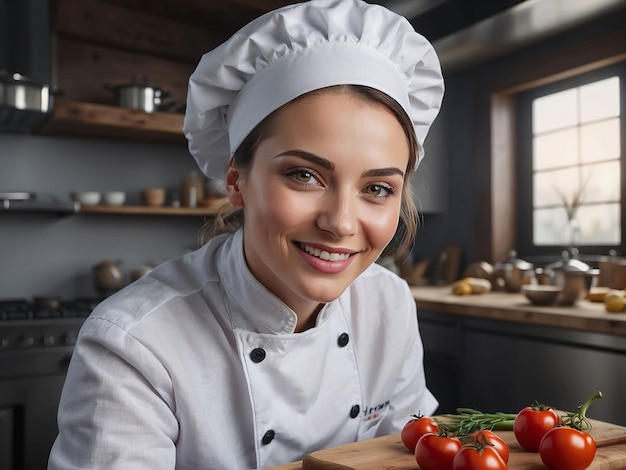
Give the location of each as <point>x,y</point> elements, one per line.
<point>302,175</point>
<point>379,190</point>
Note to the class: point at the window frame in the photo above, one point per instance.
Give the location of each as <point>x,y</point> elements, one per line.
<point>523,164</point>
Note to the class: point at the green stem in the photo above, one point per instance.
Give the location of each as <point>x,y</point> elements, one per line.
<point>579,419</point>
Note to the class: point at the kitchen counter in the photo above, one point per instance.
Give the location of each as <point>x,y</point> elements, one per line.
<point>515,307</point>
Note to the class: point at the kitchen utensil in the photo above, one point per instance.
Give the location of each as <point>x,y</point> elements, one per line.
<point>608,267</point>
<point>87,198</point>
<point>107,276</point>
<point>20,92</point>
<point>45,302</point>
<point>114,198</point>
<point>153,197</point>
<point>141,271</point>
<point>573,276</point>
<point>481,270</point>
<point>192,189</point>
<point>514,273</point>
<point>540,294</point>
<point>138,95</point>
<point>17,196</point>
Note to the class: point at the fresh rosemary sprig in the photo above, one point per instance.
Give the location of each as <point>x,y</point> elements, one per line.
<point>469,420</point>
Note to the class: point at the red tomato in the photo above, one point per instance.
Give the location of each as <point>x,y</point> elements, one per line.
<point>532,423</point>
<point>415,429</point>
<point>470,457</point>
<point>494,440</point>
<point>565,448</point>
<point>435,452</point>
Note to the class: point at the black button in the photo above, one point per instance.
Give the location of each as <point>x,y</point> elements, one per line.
<point>257,354</point>
<point>268,437</point>
<point>343,340</point>
<point>354,411</point>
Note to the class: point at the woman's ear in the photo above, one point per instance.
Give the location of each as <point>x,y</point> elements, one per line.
<point>233,180</point>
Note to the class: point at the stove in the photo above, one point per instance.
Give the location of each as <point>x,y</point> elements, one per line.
<point>36,345</point>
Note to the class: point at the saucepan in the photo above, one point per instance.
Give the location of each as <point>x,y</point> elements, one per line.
<point>20,92</point>
<point>139,95</point>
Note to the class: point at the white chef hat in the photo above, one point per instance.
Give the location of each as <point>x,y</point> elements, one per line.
<point>300,48</point>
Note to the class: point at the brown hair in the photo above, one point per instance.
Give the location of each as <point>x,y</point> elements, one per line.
<point>230,218</point>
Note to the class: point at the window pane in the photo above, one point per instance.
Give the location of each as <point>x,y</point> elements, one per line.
<point>600,224</point>
<point>598,100</point>
<point>548,184</point>
<point>602,182</point>
<point>600,141</point>
<point>576,160</point>
<point>555,149</point>
<point>555,111</point>
<point>549,226</point>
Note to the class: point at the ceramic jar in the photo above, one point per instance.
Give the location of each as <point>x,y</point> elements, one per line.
<point>107,276</point>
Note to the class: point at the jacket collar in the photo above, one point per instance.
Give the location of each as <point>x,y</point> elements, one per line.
<point>251,305</point>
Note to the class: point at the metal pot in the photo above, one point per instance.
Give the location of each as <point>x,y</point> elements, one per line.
<point>573,275</point>
<point>138,95</point>
<point>514,273</point>
<point>20,92</point>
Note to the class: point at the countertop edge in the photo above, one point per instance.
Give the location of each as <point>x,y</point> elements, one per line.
<point>513,307</point>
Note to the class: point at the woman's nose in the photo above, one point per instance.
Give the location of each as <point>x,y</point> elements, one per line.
<point>338,216</point>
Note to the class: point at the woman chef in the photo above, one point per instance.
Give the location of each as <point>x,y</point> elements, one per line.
<point>283,337</point>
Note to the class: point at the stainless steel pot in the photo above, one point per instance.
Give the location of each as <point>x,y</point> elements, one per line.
<point>138,95</point>
<point>514,273</point>
<point>20,92</point>
<point>573,275</point>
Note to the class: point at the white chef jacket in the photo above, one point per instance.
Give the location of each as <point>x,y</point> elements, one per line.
<point>197,366</point>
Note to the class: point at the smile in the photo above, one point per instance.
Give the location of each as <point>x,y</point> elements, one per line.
<point>324,255</point>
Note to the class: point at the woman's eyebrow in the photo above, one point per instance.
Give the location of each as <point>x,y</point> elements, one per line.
<point>309,157</point>
<point>331,166</point>
<point>383,172</point>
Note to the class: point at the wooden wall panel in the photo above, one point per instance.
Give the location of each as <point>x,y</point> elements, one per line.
<point>102,23</point>
<point>84,68</point>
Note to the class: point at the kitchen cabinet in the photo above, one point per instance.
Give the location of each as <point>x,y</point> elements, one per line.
<point>495,365</point>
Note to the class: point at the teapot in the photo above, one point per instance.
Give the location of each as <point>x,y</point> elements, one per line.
<point>514,273</point>
<point>574,276</point>
<point>107,276</point>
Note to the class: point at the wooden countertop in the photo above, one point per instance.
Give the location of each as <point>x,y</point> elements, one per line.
<point>514,307</point>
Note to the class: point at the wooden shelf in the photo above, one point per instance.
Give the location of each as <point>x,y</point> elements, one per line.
<point>80,119</point>
<point>146,210</point>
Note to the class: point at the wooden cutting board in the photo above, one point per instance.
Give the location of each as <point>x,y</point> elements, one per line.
<point>388,452</point>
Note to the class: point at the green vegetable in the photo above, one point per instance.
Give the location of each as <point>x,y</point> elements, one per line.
<point>469,420</point>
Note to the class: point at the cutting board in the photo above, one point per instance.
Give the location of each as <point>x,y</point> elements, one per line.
<point>388,452</point>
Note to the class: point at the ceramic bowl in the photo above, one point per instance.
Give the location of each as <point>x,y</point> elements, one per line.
<point>114,198</point>
<point>153,197</point>
<point>540,294</point>
<point>87,198</point>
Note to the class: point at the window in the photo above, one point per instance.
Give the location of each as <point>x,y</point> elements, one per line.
<point>571,164</point>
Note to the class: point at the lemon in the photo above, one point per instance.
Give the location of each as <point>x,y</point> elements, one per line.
<point>614,303</point>
<point>614,293</point>
<point>462,288</point>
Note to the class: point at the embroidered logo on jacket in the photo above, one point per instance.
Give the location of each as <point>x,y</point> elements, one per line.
<point>374,412</point>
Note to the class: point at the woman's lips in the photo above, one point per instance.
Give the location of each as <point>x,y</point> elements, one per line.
<point>329,261</point>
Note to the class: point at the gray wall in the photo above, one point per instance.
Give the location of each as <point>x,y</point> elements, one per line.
<point>44,254</point>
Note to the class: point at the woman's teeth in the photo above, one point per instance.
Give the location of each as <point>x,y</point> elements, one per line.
<point>325,255</point>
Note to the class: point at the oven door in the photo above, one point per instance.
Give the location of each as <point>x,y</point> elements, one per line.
<point>30,388</point>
